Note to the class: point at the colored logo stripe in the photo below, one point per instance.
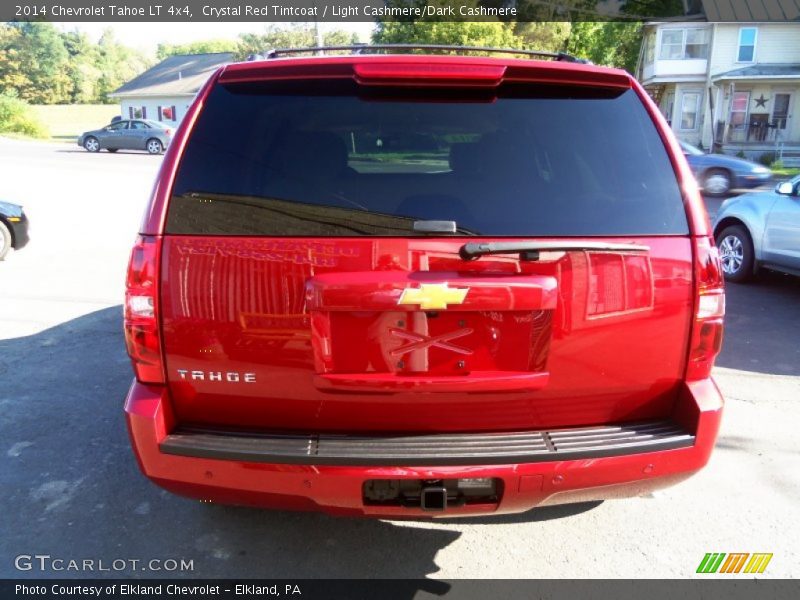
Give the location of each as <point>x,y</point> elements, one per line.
<point>710,562</point>
<point>713,562</point>
<point>734,562</point>
<point>758,563</point>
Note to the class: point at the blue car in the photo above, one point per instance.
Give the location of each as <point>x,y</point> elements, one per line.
<point>717,174</point>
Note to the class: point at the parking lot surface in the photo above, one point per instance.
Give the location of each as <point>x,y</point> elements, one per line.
<point>71,488</point>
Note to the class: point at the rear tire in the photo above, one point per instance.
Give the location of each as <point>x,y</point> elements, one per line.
<point>717,182</point>
<point>91,144</point>
<point>736,253</point>
<point>5,240</point>
<point>154,146</point>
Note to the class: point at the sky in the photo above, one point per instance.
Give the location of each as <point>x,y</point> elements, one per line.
<point>147,36</point>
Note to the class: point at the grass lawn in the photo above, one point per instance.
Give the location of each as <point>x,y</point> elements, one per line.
<point>66,122</point>
<point>785,173</point>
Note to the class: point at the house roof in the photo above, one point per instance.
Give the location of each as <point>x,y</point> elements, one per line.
<point>183,74</point>
<point>762,71</point>
<point>751,10</point>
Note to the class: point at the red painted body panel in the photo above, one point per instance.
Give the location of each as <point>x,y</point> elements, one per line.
<point>609,329</point>
<point>302,334</point>
<point>338,490</point>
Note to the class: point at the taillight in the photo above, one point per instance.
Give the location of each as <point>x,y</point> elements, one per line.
<point>706,340</point>
<point>141,317</point>
<point>168,131</point>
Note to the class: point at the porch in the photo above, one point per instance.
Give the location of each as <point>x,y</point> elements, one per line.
<point>757,108</point>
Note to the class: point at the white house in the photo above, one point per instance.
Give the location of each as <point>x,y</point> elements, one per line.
<point>164,92</point>
<point>728,86</point>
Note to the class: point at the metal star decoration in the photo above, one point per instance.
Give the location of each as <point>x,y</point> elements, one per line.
<point>761,101</point>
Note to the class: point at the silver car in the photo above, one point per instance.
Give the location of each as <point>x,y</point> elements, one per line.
<point>134,134</point>
<point>761,229</point>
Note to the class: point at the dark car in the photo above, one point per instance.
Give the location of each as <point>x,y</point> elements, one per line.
<point>135,134</point>
<point>718,174</point>
<point>422,285</point>
<point>13,228</point>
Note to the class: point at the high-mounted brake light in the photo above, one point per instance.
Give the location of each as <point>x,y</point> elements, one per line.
<point>426,73</point>
<point>141,322</point>
<point>706,340</point>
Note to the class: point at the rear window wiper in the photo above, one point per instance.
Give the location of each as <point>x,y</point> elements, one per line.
<point>531,250</point>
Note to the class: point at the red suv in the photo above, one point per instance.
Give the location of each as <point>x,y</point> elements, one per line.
<point>404,285</point>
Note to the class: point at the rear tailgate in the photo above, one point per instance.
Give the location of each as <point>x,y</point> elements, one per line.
<point>278,334</point>
<point>296,294</point>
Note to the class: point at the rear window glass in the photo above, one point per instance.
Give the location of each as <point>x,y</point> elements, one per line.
<point>338,160</point>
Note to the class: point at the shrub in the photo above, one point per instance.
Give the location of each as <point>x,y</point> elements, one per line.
<point>767,159</point>
<point>740,154</point>
<point>17,117</point>
<point>778,164</point>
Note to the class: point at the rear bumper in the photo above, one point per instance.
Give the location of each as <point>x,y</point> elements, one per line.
<point>189,464</point>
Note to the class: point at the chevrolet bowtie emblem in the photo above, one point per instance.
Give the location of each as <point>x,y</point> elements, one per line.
<point>433,296</point>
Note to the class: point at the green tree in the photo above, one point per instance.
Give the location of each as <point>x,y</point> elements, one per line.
<point>201,47</point>
<point>470,33</point>
<point>36,63</point>
<point>549,11</point>
<point>295,35</point>
<point>12,75</point>
<point>613,44</point>
<point>659,8</point>
<point>82,69</point>
<point>439,30</point>
<point>117,64</point>
<point>548,36</point>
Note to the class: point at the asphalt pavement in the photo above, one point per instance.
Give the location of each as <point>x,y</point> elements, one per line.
<point>70,487</point>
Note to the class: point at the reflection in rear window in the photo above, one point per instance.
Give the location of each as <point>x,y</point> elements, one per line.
<point>281,160</point>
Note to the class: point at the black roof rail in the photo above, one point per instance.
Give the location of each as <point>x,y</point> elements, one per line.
<point>366,48</point>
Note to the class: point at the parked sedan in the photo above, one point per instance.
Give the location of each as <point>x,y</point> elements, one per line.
<point>717,174</point>
<point>13,228</point>
<point>136,134</point>
<point>760,229</point>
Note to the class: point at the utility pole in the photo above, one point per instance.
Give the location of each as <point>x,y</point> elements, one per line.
<point>317,32</point>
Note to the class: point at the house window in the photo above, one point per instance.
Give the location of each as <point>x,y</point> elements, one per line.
<point>696,43</point>
<point>684,44</point>
<point>747,44</point>
<point>167,113</point>
<point>690,107</point>
<point>672,43</point>
<point>137,112</point>
<point>739,105</point>
<point>780,110</point>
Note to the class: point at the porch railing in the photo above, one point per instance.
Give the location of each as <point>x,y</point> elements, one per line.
<point>759,131</point>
